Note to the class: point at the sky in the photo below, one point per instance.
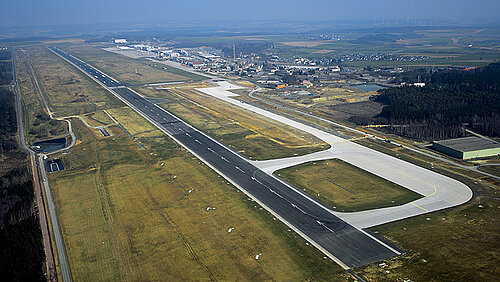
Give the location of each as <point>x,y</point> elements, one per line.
<point>70,12</point>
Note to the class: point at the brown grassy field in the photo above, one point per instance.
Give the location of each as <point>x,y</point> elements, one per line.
<point>124,69</point>
<point>252,135</point>
<point>99,118</point>
<point>67,90</point>
<point>456,245</point>
<point>346,187</point>
<point>36,121</point>
<point>130,214</point>
<point>133,122</point>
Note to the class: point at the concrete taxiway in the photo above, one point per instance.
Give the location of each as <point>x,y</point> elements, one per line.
<point>439,191</point>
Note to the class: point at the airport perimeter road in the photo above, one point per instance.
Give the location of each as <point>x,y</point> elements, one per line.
<point>343,243</point>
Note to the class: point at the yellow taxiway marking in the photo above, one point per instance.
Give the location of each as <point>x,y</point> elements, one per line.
<point>419,207</point>
<point>426,183</point>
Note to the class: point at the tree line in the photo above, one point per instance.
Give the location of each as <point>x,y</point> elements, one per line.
<point>450,100</point>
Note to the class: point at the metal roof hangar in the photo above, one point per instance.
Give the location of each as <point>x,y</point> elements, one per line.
<point>468,147</point>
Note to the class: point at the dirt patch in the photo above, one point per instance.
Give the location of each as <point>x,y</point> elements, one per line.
<point>348,110</point>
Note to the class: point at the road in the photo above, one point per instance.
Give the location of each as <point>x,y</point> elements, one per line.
<point>54,222</point>
<point>348,246</point>
<point>49,256</point>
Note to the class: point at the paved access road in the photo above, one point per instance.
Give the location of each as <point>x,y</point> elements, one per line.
<point>345,244</point>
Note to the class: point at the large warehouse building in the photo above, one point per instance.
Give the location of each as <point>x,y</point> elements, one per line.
<point>468,147</point>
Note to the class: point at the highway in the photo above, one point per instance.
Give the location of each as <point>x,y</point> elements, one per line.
<point>348,246</point>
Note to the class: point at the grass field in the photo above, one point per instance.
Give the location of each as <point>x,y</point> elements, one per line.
<point>495,170</point>
<point>252,135</point>
<point>99,118</point>
<point>67,90</point>
<point>346,187</point>
<point>160,214</point>
<point>36,121</point>
<point>456,245</point>
<point>133,122</point>
<point>124,69</point>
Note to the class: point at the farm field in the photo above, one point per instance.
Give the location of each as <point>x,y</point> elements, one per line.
<point>450,46</point>
<point>346,187</point>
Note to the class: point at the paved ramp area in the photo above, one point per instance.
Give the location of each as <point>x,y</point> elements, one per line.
<point>439,191</point>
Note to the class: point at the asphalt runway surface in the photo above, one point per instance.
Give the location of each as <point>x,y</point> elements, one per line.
<point>348,246</point>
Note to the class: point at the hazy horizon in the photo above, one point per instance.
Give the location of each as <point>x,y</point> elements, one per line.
<point>59,12</point>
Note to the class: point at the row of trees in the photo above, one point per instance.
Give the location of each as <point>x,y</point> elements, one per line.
<point>451,99</point>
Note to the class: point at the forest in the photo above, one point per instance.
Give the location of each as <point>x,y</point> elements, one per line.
<point>450,101</point>
<point>21,248</point>
<point>5,67</point>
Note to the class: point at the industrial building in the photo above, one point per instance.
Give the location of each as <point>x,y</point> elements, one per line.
<point>468,147</point>
<point>120,41</point>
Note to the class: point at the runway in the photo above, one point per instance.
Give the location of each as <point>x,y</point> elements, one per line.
<point>348,246</point>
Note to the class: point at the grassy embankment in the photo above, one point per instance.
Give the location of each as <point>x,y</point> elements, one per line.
<point>160,214</point>
<point>346,187</point>
<point>255,136</point>
<point>125,69</point>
